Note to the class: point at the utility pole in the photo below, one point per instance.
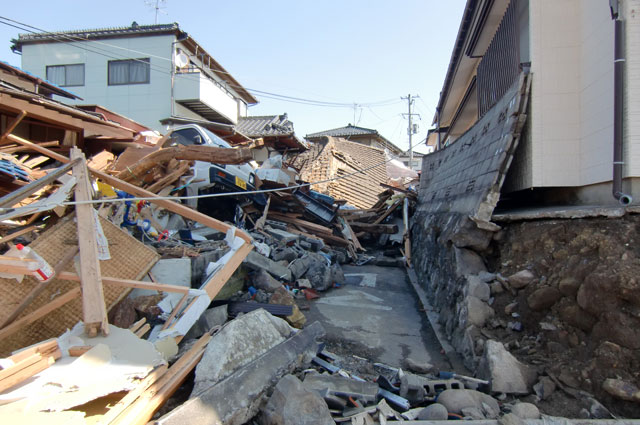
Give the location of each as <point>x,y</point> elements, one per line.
<point>410,130</point>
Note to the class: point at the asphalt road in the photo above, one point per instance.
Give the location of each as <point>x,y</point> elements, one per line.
<point>377,315</point>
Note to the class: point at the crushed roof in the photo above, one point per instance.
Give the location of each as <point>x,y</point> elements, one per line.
<point>266,125</point>
<point>352,130</point>
<point>335,157</point>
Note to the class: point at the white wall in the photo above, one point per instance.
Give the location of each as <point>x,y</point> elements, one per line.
<point>572,44</point>
<point>145,103</point>
<point>555,103</point>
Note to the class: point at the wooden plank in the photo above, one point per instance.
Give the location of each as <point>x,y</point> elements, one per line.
<point>387,212</point>
<point>175,311</point>
<point>140,411</point>
<point>132,395</point>
<point>161,287</point>
<point>18,195</point>
<point>39,313</point>
<point>354,238</point>
<point>169,178</point>
<point>14,148</point>
<point>375,228</point>
<point>12,126</point>
<point>133,328</point>
<point>94,309</point>
<point>26,373</point>
<point>78,350</point>
<point>14,235</point>
<point>45,348</point>
<point>143,330</point>
<point>333,240</point>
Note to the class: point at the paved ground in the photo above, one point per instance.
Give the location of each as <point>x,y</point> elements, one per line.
<point>376,315</point>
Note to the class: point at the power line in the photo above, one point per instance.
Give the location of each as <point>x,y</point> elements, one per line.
<point>269,95</point>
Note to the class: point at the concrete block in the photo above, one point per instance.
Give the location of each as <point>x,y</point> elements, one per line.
<point>236,399</point>
<point>255,261</point>
<point>240,342</point>
<point>343,387</point>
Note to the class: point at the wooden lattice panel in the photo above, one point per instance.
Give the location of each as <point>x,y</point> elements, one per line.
<point>130,259</point>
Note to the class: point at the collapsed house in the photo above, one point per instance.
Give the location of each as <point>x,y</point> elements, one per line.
<point>99,292</point>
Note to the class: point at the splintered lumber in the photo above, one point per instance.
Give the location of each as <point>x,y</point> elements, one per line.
<point>101,161</point>
<point>14,235</point>
<point>26,372</point>
<point>389,210</point>
<point>18,195</point>
<point>94,309</point>
<point>170,178</point>
<point>214,285</point>
<point>189,153</point>
<point>141,408</point>
<point>374,228</point>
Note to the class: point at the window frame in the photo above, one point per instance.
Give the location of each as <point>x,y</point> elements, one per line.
<point>129,61</point>
<point>65,65</point>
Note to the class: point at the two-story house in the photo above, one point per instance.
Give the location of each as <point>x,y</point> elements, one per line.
<point>581,140</point>
<point>146,72</point>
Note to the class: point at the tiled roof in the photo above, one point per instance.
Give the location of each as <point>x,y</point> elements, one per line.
<point>95,33</point>
<point>269,125</point>
<point>349,130</point>
<point>334,157</point>
<point>352,131</point>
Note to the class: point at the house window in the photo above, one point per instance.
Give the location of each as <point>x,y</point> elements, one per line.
<point>129,71</point>
<point>66,75</point>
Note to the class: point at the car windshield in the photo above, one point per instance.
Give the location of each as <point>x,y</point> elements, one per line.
<point>216,140</point>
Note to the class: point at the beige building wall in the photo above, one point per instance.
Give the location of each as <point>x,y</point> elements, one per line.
<point>555,102</point>
<point>572,96</point>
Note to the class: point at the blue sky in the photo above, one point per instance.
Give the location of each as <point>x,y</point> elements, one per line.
<point>348,51</point>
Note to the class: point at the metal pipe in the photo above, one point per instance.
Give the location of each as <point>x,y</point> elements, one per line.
<point>618,105</point>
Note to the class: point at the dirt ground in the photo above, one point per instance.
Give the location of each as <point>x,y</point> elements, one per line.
<point>584,326</point>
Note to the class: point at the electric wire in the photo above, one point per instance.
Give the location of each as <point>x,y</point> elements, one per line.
<point>64,38</point>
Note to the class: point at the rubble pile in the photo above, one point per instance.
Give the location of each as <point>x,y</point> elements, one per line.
<point>106,274</point>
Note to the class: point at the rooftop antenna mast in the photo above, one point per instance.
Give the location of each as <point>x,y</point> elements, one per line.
<point>158,5</point>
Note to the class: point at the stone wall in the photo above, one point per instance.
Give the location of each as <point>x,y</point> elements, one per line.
<point>459,188</point>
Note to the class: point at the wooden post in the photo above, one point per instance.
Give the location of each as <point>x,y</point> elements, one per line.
<point>94,310</point>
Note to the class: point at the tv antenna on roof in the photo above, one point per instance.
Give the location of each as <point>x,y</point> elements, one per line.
<point>158,5</point>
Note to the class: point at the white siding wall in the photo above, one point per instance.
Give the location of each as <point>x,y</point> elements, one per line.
<point>596,93</point>
<point>555,125</point>
<point>572,45</point>
<point>145,103</point>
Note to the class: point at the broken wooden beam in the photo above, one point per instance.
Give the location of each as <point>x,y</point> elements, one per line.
<point>12,126</point>
<point>190,153</point>
<point>94,309</point>
<point>374,228</point>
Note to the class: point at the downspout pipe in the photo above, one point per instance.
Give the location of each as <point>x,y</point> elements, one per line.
<point>618,105</point>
